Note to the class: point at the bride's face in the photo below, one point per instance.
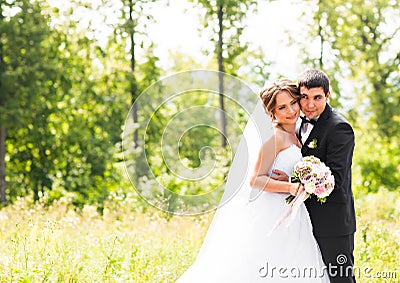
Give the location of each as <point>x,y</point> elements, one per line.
<point>287,109</point>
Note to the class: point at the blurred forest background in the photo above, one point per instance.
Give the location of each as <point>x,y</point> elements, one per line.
<point>67,84</point>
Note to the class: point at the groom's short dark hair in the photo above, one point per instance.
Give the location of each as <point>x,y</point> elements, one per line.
<point>313,78</point>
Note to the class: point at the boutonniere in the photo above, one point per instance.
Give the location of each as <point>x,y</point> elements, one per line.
<point>312,144</point>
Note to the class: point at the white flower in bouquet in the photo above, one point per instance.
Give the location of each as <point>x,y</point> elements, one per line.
<point>317,180</point>
<point>315,176</point>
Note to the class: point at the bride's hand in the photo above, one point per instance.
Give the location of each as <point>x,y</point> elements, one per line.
<point>281,176</point>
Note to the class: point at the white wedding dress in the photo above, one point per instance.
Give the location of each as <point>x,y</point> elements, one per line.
<point>241,245</point>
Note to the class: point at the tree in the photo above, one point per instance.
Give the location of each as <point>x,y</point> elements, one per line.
<point>133,24</point>
<point>129,35</point>
<point>3,183</point>
<point>88,113</point>
<point>24,30</point>
<point>362,40</point>
<point>225,17</point>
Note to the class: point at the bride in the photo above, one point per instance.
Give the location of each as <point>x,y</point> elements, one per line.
<point>243,243</point>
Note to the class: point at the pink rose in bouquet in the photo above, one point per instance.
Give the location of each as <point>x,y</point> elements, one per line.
<point>317,180</point>
<point>315,176</point>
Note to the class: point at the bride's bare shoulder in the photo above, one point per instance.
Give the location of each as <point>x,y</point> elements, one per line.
<point>280,139</point>
<point>276,142</point>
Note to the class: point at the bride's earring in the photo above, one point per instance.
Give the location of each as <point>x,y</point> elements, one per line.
<point>273,119</point>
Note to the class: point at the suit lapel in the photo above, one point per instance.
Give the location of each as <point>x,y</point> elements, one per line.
<point>317,128</point>
<point>298,130</point>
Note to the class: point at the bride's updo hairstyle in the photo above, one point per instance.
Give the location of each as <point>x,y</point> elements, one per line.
<point>268,94</point>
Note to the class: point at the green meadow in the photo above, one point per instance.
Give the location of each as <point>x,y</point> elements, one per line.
<point>57,243</point>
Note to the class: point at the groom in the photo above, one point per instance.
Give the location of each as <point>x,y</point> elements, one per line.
<point>328,136</point>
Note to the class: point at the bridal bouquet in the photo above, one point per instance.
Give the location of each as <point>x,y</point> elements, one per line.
<point>315,176</point>
<point>317,180</point>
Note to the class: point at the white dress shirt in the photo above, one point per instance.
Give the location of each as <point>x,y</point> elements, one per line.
<point>306,130</point>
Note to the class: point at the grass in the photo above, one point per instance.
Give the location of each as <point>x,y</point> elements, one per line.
<point>124,244</point>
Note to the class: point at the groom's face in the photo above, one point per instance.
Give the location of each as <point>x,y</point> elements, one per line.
<point>313,101</point>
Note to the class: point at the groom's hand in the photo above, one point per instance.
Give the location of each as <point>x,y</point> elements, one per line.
<point>280,175</point>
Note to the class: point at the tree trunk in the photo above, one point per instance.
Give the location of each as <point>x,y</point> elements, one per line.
<point>133,83</point>
<point>321,54</point>
<point>221,70</point>
<point>3,183</point>
<point>3,131</point>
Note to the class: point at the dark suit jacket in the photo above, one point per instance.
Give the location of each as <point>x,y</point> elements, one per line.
<point>335,145</point>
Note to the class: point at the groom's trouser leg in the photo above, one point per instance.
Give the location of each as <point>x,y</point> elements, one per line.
<point>337,253</point>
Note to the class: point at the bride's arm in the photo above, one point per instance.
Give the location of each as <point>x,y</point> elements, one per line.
<point>280,175</point>
<point>260,178</point>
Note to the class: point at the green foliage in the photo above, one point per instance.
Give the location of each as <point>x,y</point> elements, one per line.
<point>233,15</point>
<point>365,43</point>
<point>359,52</point>
<point>27,85</point>
<point>63,132</point>
<point>64,98</point>
<point>377,238</point>
<point>181,153</point>
<point>23,36</point>
<point>376,162</point>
